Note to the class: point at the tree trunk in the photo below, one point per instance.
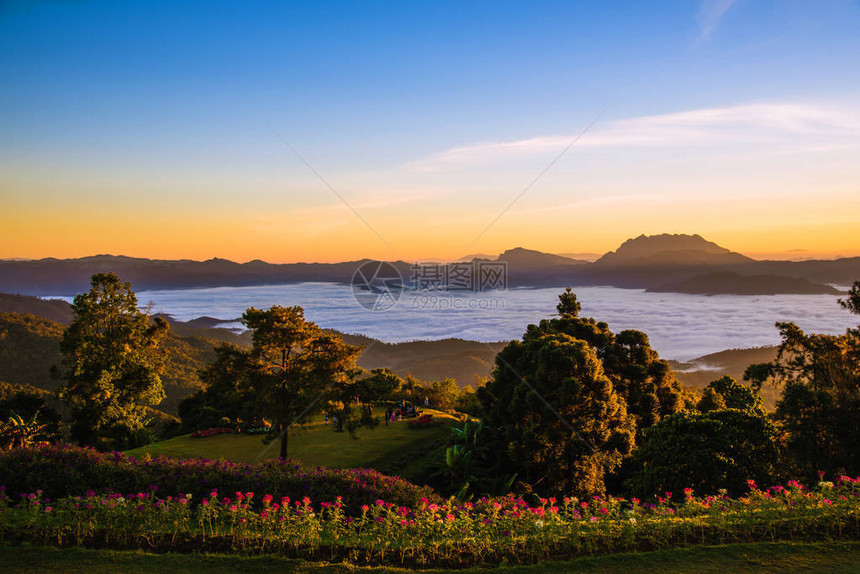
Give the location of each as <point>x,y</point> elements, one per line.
<point>284,441</point>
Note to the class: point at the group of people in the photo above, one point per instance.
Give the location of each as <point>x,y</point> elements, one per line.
<point>400,411</point>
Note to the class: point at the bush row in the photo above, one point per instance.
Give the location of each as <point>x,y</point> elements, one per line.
<point>65,470</point>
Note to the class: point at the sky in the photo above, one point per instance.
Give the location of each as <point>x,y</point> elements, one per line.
<point>331,131</point>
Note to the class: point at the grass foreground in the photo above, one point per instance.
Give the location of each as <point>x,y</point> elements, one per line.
<point>759,557</point>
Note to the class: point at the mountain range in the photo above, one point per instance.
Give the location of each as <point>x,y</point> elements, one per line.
<point>673,263</point>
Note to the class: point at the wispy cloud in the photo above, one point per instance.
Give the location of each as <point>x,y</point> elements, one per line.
<point>757,123</point>
<point>711,13</point>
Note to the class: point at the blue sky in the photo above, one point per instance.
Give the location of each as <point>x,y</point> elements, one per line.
<point>427,118</point>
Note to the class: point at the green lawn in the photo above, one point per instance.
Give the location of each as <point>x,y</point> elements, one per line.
<point>763,557</point>
<point>393,449</point>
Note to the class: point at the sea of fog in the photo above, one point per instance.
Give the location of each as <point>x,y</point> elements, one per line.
<point>679,326</point>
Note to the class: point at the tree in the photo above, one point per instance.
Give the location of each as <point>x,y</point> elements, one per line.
<point>226,391</point>
<point>721,449</point>
<point>378,385</point>
<point>727,393</point>
<point>111,364</point>
<point>820,404</point>
<point>568,306</point>
<point>565,404</point>
<point>295,368</point>
<point>552,415</point>
<point>645,381</point>
<point>443,394</point>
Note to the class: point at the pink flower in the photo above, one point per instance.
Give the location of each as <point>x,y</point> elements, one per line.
<point>364,508</point>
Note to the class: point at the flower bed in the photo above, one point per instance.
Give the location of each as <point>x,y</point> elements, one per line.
<point>424,421</point>
<point>203,433</point>
<point>430,533</point>
<point>66,470</point>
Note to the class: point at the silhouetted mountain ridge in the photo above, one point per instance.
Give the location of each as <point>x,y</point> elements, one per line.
<point>644,262</point>
<point>529,258</point>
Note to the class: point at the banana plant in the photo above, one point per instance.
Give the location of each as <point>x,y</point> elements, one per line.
<point>20,433</point>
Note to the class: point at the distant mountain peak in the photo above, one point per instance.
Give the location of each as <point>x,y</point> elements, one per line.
<point>529,257</point>
<point>473,256</point>
<point>671,249</point>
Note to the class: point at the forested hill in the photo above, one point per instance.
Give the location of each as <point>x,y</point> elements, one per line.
<point>642,262</point>
<point>731,283</point>
<point>29,347</point>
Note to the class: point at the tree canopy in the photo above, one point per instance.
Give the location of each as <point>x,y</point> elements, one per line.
<point>820,405</point>
<point>295,368</point>
<point>563,405</point>
<point>111,364</point>
<point>727,393</point>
